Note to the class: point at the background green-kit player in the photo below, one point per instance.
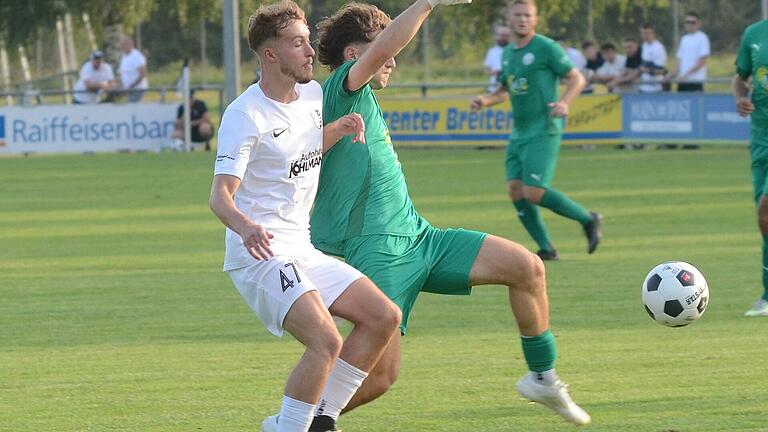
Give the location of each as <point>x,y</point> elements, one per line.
<point>531,68</point>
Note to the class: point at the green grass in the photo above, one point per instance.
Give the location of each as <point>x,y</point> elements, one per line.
<point>115,315</point>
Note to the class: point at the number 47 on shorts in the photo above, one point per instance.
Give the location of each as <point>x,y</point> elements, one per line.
<point>286,281</point>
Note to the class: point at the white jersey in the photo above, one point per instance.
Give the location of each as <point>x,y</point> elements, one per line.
<point>276,150</point>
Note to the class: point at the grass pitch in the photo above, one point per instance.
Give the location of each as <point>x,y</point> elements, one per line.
<point>115,315</point>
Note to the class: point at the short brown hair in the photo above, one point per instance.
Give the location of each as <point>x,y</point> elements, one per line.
<point>523,2</point>
<point>268,20</point>
<point>354,22</point>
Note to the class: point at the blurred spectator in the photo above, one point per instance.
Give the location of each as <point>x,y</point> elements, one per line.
<point>692,55</point>
<point>96,76</point>
<point>577,58</point>
<point>631,72</point>
<point>200,122</point>
<point>653,69</point>
<point>133,70</point>
<point>493,57</point>
<point>613,64</point>
<point>593,56</point>
<point>594,59</point>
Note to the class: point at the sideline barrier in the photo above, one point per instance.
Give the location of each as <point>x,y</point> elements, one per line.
<point>593,119</point>
<point>86,128</point>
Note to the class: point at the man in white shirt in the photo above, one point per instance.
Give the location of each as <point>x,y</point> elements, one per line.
<point>271,144</point>
<point>133,70</point>
<point>613,64</point>
<point>493,57</point>
<point>654,57</point>
<point>96,76</point>
<point>692,55</point>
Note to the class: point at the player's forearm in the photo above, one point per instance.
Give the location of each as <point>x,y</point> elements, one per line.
<point>498,96</point>
<point>699,64</point>
<point>223,206</point>
<point>396,36</point>
<point>574,84</point>
<point>331,135</point>
<point>739,87</point>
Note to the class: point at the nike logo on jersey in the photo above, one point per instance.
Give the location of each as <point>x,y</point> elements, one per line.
<point>277,132</point>
<point>536,177</point>
<point>756,46</point>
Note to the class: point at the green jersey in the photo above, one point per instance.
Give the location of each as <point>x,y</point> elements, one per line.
<point>752,60</point>
<point>531,74</point>
<point>362,188</point>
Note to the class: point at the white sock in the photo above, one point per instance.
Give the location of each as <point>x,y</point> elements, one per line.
<point>342,384</point>
<point>546,377</point>
<point>295,415</point>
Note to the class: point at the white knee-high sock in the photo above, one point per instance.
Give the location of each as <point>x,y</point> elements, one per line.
<point>342,384</point>
<point>295,415</point>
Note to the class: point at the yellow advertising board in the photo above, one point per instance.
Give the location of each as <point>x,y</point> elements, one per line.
<point>593,119</point>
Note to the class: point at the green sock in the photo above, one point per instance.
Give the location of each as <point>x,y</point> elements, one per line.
<point>531,218</point>
<point>540,351</point>
<point>559,203</point>
<point>765,267</point>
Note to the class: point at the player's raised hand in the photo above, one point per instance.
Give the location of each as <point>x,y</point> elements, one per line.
<point>353,124</point>
<point>434,3</point>
<point>559,109</point>
<point>256,240</point>
<point>744,106</point>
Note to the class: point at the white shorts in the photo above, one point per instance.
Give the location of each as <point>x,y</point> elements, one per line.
<point>271,287</point>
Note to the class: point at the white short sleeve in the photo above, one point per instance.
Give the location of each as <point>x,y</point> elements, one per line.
<point>704,46</point>
<point>238,136</point>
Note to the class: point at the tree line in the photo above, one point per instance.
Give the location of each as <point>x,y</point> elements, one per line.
<point>171,29</point>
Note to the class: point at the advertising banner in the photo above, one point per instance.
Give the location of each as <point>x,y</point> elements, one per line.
<point>447,121</point>
<point>683,117</point>
<point>85,128</point>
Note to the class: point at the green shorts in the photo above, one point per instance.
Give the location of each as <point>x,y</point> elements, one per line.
<point>436,261</point>
<point>759,151</point>
<point>533,160</point>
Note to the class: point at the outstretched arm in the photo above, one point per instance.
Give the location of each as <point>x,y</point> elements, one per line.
<point>350,124</point>
<point>392,40</point>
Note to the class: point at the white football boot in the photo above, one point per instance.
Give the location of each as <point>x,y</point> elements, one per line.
<point>760,308</point>
<point>553,395</point>
<point>269,424</point>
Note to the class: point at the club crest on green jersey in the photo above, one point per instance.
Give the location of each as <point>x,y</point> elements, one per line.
<point>528,58</point>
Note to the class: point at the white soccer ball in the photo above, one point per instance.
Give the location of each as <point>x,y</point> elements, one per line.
<point>675,294</point>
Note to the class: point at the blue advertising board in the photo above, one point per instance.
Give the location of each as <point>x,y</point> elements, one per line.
<point>690,117</point>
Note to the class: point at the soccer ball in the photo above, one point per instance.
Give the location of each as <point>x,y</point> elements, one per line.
<point>675,294</point>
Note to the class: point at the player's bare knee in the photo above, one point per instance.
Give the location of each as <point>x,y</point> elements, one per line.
<point>384,321</point>
<point>531,273</point>
<point>326,346</point>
